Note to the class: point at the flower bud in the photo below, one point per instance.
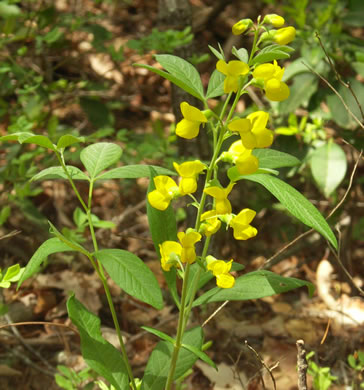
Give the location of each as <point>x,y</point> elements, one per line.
<point>284,35</point>
<point>274,19</point>
<point>241,26</point>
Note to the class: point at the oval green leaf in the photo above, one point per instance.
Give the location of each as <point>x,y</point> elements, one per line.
<point>131,274</point>
<point>99,354</point>
<point>58,173</point>
<point>98,157</point>
<point>254,285</point>
<point>328,167</point>
<point>270,158</point>
<point>53,245</point>
<point>295,203</point>
<point>156,372</point>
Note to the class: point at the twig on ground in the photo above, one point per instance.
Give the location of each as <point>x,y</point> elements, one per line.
<point>269,369</point>
<point>214,313</point>
<point>302,365</point>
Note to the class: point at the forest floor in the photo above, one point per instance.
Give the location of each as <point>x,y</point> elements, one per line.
<point>253,341</point>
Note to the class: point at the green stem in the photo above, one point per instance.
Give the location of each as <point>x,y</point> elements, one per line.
<point>180,329</point>
<point>99,268</point>
<point>185,310</point>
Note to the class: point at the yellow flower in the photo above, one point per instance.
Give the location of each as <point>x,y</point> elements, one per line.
<point>274,19</point>
<point>166,190</point>
<point>223,206</point>
<point>170,252</point>
<point>220,270</point>
<point>252,130</point>
<point>188,241</point>
<point>189,127</point>
<point>232,70</point>
<point>241,26</point>
<point>275,89</point>
<point>241,225</point>
<point>245,161</point>
<point>284,35</point>
<point>211,224</point>
<point>189,171</point>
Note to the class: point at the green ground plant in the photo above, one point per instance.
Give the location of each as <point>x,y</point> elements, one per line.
<point>240,143</point>
<point>322,377</point>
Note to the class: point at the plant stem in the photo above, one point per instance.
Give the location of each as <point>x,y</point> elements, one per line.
<point>180,329</point>
<point>100,269</point>
<point>185,310</point>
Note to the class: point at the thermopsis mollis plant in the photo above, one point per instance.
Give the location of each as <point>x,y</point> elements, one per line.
<point>249,159</point>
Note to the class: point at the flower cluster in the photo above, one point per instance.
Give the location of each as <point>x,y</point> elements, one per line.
<point>253,133</point>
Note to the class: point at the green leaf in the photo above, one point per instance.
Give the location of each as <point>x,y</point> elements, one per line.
<point>13,273</point>
<point>303,87</point>
<point>218,54</point>
<point>132,275</point>
<point>254,285</point>
<point>9,10</point>
<point>52,245</point>
<point>29,138</point>
<point>242,54</point>
<point>163,227</point>
<point>216,85</point>
<point>100,355</point>
<point>183,70</point>
<point>328,167</point>
<point>179,72</point>
<point>98,157</point>
<point>67,140</point>
<point>358,67</point>
<point>270,158</point>
<point>156,372</point>
<point>58,173</point>
<point>159,334</point>
<point>295,203</point>
<point>133,172</point>
<point>200,354</point>
<point>338,111</point>
<point>270,53</point>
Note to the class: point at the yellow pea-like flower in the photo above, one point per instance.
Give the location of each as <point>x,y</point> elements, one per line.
<point>284,35</point>
<point>189,126</point>
<point>252,130</point>
<point>189,171</point>
<point>220,270</point>
<point>210,223</point>
<point>170,252</point>
<point>241,26</point>
<point>188,241</point>
<point>245,161</point>
<point>232,70</point>
<point>275,89</point>
<point>223,205</point>
<point>241,225</point>
<point>165,190</point>
<point>274,19</point>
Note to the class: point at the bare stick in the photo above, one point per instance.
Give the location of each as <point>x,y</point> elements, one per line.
<point>338,77</point>
<point>39,323</point>
<point>263,364</point>
<point>302,365</point>
<point>357,120</point>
